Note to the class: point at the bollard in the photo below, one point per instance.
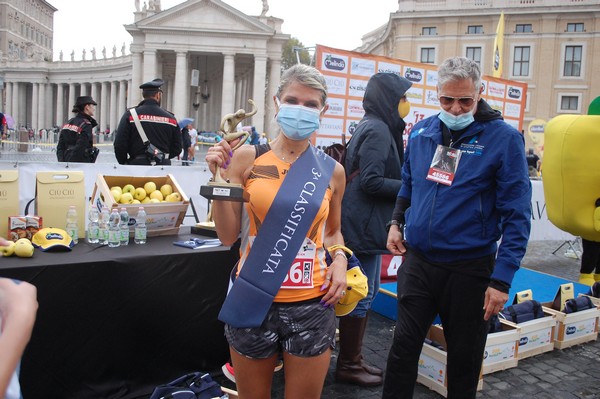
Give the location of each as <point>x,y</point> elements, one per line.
<point>23,140</point>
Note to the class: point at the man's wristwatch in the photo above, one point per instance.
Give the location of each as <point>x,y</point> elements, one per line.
<point>394,223</point>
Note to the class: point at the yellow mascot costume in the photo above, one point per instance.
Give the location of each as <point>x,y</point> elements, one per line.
<point>571,174</point>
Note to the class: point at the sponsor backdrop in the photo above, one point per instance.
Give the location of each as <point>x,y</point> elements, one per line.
<point>348,72</point>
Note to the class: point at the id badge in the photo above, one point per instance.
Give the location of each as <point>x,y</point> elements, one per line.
<point>300,274</point>
<point>444,164</point>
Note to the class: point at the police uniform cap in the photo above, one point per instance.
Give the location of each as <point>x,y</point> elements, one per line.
<point>84,100</point>
<point>154,85</point>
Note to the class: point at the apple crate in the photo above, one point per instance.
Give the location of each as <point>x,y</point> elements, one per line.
<point>535,336</point>
<point>573,328</point>
<point>433,363</point>
<point>501,349</point>
<point>161,218</point>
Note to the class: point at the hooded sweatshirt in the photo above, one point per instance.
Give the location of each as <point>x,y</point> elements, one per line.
<point>376,149</point>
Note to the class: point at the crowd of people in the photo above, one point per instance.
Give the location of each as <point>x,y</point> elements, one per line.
<point>302,241</point>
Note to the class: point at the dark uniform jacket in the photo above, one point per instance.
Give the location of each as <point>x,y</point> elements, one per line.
<point>160,127</point>
<point>76,140</point>
<point>376,149</point>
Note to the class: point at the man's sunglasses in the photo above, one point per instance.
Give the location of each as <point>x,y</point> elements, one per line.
<point>463,101</point>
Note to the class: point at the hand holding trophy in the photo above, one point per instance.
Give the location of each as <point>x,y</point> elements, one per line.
<point>219,188</point>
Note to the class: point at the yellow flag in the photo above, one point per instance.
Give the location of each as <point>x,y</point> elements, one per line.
<point>498,46</point>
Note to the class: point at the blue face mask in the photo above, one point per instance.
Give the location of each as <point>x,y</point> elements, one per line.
<point>298,122</point>
<point>456,122</point>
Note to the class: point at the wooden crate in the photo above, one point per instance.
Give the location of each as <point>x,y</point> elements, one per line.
<point>501,349</point>
<point>573,328</point>
<point>433,363</point>
<point>535,336</point>
<point>161,219</point>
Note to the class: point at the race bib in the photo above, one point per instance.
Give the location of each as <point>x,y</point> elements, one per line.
<point>300,274</point>
<point>444,164</point>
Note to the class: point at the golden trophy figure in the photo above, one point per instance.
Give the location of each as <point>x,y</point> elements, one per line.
<point>219,188</point>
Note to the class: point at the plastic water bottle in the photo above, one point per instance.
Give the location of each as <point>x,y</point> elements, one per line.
<point>114,232</point>
<point>124,226</point>
<point>140,226</point>
<point>93,225</point>
<point>72,228</point>
<point>103,222</point>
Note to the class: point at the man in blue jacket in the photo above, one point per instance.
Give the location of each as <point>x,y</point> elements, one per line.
<point>465,186</point>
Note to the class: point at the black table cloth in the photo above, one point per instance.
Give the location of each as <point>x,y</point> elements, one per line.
<point>116,322</point>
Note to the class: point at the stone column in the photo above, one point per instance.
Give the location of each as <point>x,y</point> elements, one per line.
<point>41,122</point>
<point>35,103</point>
<point>181,89</point>
<point>60,104</point>
<point>258,94</point>
<point>227,95</point>
<point>71,100</point>
<point>113,118</point>
<point>104,107</point>
<point>149,65</point>
<point>15,104</point>
<point>94,92</point>
<point>274,79</point>
<point>135,95</point>
<point>83,90</point>
<point>122,101</point>
<point>9,96</point>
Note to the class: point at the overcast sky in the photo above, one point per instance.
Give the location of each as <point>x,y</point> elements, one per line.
<point>335,23</point>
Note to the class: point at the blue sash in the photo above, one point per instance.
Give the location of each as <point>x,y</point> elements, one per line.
<point>281,235</point>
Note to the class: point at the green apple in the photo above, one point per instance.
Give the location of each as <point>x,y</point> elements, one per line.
<point>24,248</point>
<point>174,197</point>
<point>126,198</point>
<point>156,194</point>
<point>146,200</point>
<point>154,201</point>
<point>150,187</point>
<point>128,188</point>
<point>136,201</point>
<point>166,190</point>
<point>9,249</point>
<point>139,194</point>
<point>116,188</point>
<point>116,194</point>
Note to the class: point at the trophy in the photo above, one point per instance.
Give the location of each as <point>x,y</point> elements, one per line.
<point>219,188</point>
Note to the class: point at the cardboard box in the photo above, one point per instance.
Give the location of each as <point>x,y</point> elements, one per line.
<point>433,362</point>
<point>573,328</point>
<point>162,219</point>
<point>34,224</point>
<point>17,228</point>
<point>9,198</point>
<point>55,192</point>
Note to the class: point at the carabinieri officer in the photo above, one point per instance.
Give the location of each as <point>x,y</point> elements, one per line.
<point>159,126</point>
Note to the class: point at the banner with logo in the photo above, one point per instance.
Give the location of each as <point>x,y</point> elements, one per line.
<point>347,74</point>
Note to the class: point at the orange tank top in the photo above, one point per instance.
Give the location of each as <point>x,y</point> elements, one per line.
<point>307,274</point>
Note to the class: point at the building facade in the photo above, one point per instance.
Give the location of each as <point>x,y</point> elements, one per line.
<point>212,57</point>
<point>552,45</point>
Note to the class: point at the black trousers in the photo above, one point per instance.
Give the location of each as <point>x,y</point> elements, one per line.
<point>425,290</point>
<point>590,257</point>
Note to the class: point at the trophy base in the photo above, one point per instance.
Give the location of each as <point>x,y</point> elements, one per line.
<point>224,192</point>
<point>205,229</point>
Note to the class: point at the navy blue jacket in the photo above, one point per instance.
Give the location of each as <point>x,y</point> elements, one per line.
<point>489,199</point>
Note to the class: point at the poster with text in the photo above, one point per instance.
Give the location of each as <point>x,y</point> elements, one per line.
<point>347,74</point>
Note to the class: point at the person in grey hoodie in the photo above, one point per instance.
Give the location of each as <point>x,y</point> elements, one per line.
<point>373,166</point>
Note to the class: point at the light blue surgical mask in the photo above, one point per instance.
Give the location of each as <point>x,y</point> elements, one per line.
<point>297,121</point>
<point>456,122</point>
